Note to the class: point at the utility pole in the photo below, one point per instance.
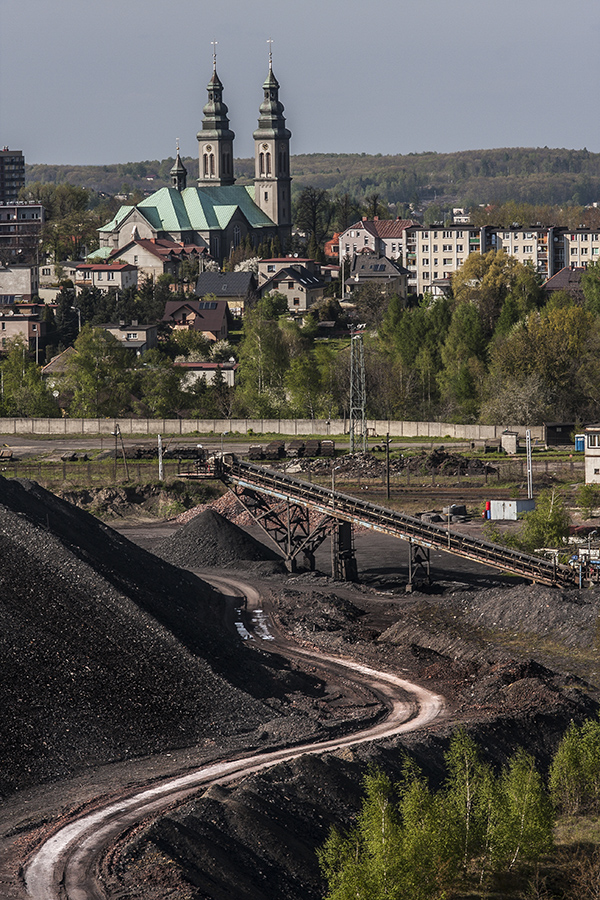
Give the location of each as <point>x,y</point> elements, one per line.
<point>358,391</point>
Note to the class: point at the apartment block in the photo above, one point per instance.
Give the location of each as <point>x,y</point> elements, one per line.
<point>20,231</point>
<point>12,174</point>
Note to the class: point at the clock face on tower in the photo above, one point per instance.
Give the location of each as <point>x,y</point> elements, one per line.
<point>265,146</point>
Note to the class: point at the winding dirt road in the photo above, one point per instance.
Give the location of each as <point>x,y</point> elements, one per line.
<point>63,867</point>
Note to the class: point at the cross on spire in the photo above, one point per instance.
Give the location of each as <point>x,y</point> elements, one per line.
<point>270,43</point>
<point>214,46</point>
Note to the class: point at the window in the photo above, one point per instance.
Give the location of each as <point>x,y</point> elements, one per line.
<point>515,249</point>
<point>425,274</point>
<point>447,234</point>
<point>347,248</point>
<point>425,234</point>
<point>34,327</point>
<point>573,237</point>
<point>594,237</point>
<point>4,326</point>
<point>527,235</point>
<point>435,262</point>
<point>459,262</point>
<point>527,248</point>
<point>435,275</point>
<point>366,240</point>
<point>425,248</point>
<point>271,267</point>
<point>132,336</point>
<point>584,250</point>
<point>447,262</point>
<point>296,301</point>
<point>266,195</point>
<point>595,251</point>
<point>99,276</point>
<point>447,248</point>
<point>459,234</point>
<point>425,262</point>
<point>435,248</point>
<point>110,276</point>
<point>135,260</point>
<point>435,234</point>
<point>593,440</point>
<point>393,248</point>
<point>573,251</point>
<point>46,272</point>
<point>584,237</point>
<point>459,248</point>
<point>290,285</point>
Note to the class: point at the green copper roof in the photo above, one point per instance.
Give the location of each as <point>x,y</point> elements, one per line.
<point>166,211</point>
<point>197,209</point>
<point>119,216</point>
<point>100,253</point>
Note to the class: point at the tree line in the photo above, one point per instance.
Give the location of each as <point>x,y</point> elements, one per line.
<point>410,841</point>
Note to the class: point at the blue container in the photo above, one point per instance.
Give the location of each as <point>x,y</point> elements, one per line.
<point>580,443</point>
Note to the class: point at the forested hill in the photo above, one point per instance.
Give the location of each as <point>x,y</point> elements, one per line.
<point>466,178</point>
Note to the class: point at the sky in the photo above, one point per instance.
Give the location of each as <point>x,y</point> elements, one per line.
<point>87,82</point>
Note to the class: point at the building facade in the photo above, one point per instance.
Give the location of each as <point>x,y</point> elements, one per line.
<point>21,224</point>
<point>433,253</point>
<point>12,174</point>
<point>218,215</point>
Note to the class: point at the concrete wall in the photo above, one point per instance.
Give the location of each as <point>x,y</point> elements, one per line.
<point>291,427</point>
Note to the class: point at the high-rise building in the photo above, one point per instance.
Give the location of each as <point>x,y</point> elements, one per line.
<point>12,174</point>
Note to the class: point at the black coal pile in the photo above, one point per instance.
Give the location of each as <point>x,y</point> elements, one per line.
<point>210,540</point>
<point>106,650</point>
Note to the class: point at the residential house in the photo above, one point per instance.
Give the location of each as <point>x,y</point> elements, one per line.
<point>210,318</point>
<point>238,289</point>
<point>157,256</point>
<point>592,454</point>
<point>195,371</point>
<point>386,237</point>
<point>26,323</point>
<point>568,279</point>
<point>18,282</point>
<point>105,276</point>
<point>299,286</point>
<point>370,268</point>
<point>136,337</point>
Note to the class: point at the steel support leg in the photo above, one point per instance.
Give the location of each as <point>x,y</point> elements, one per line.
<point>419,567</point>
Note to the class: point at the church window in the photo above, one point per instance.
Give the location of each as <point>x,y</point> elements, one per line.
<point>268,163</point>
<point>266,195</point>
<point>211,161</point>
<point>261,162</point>
<point>237,236</point>
<point>205,165</point>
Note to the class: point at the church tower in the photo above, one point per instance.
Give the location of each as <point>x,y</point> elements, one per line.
<point>178,173</point>
<point>216,138</point>
<point>272,180</point>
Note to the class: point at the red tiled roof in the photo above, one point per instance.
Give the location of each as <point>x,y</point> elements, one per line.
<point>385,228</point>
<point>103,267</point>
<point>161,247</point>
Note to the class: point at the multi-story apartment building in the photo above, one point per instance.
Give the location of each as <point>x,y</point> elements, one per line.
<point>20,230</point>
<point>432,253</point>
<point>12,174</point>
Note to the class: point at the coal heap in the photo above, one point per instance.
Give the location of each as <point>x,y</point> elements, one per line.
<point>210,540</point>
<point>107,651</point>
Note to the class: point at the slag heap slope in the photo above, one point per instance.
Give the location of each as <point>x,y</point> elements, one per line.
<point>106,650</point>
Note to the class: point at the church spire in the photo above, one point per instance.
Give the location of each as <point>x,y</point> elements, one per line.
<point>272,182</point>
<point>178,173</point>
<point>216,138</point>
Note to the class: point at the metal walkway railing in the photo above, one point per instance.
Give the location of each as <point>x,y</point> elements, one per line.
<point>379,518</point>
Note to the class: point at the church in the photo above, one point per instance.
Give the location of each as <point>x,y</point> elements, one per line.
<point>217,215</point>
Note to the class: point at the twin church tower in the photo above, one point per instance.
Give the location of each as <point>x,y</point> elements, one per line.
<point>272,179</point>
<point>216,214</point>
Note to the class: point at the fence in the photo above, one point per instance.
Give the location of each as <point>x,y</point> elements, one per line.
<point>100,473</point>
<point>289,427</point>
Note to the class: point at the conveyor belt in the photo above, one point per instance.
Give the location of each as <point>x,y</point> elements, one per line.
<point>407,528</point>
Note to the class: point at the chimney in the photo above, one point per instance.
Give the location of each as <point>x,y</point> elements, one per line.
<point>134,323</point>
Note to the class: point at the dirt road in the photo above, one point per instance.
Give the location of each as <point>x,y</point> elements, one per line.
<point>63,867</point>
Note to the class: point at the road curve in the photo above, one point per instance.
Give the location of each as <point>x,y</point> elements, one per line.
<point>60,868</point>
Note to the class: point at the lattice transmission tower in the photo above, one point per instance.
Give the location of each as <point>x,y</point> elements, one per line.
<point>358,392</point>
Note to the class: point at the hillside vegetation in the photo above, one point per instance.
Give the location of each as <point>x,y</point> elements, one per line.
<point>523,174</point>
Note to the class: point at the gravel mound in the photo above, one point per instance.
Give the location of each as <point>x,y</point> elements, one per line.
<point>210,540</point>
<point>107,651</point>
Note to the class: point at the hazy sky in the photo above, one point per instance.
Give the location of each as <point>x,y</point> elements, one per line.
<point>121,80</point>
